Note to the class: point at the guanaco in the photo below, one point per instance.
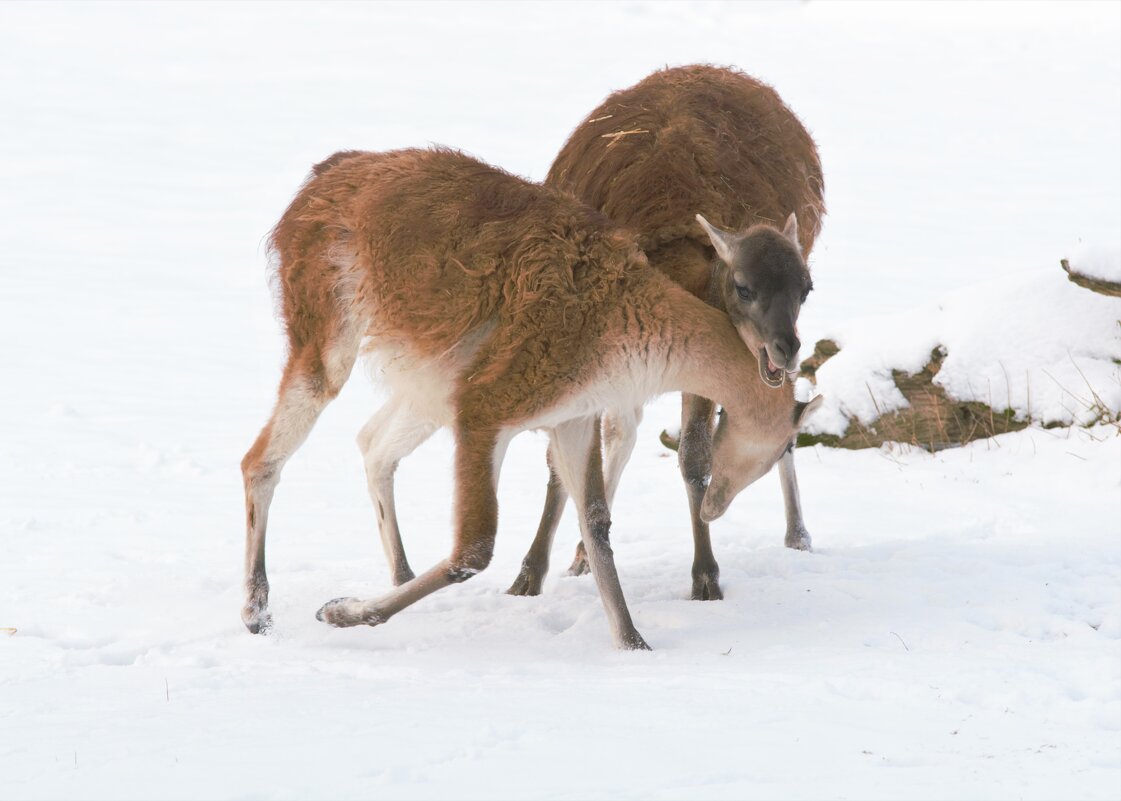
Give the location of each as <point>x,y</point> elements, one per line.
<point>492,305</point>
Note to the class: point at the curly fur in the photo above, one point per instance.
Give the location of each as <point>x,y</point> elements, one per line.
<point>514,303</point>
<point>424,247</point>
<point>688,140</point>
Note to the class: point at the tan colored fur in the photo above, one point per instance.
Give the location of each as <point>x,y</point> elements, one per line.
<point>516,305</point>
<point>684,141</point>
<point>716,142</point>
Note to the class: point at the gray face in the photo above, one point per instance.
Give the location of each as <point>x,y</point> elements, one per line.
<point>764,281</point>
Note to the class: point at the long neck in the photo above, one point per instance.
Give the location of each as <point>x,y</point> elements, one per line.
<point>705,356</point>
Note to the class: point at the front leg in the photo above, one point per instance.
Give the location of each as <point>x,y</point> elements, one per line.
<point>620,433</point>
<point>694,456</point>
<point>796,535</point>
<point>579,463</point>
<point>478,457</point>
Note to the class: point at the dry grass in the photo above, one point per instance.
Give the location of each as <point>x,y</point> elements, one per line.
<point>617,135</point>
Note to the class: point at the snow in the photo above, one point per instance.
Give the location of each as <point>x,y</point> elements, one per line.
<point>956,633</point>
<point>1102,262</point>
<point>1034,343</point>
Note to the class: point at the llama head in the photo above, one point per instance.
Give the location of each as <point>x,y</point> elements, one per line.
<point>743,451</point>
<point>763,280</point>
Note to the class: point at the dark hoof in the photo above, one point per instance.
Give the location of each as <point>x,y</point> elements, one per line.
<point>345,612</point>
<point>527,583</point>
<point>634,642</point>
<point>404,574</point>
<point>706,587</point>
<point>255,614</point>
<point>256,619</point>
<point>799,540</point>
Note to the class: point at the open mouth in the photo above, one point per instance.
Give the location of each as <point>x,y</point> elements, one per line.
<point>772,375</point>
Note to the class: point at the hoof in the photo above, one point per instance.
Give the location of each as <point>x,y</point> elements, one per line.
<point>579,566</point>
<point>528,583</point>
<point>255,614</point>
<point>706,587</point>
<point>634,642</point>
<point>258,621</point>
<point>345,612</point>
<point>799,540</point>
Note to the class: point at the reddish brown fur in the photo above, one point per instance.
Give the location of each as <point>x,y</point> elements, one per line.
<point>522,298</point>
<point>717,142</point>
<point>683,141</point>
<point>434,224</point>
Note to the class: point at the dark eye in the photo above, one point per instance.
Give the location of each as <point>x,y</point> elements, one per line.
<point>806,291</point>
<point>744,293</point>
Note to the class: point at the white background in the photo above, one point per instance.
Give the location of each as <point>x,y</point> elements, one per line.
<point>956,634</point>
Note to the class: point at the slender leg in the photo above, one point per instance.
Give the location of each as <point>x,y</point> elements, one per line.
<point>620,433</point>
<point>477,458</point>
<point>578,461</point>
<point>535,565</point>
<point>312,378</point>
<point>694,455</point>
<point>797,536</point>
<point>389,436</point>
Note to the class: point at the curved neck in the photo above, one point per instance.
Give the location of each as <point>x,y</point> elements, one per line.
<point>706,356</point>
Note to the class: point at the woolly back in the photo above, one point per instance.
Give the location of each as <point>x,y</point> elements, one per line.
<point>425,246</point>
<point>694,139</point>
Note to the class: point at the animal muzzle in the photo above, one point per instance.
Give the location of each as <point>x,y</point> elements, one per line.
<point>772,374</point>
<point>715,503</point>
<point>777,359</point>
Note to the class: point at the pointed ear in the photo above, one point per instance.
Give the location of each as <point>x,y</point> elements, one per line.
<point>790,230</point>
<point>724,242</point>
<point>804,411</point>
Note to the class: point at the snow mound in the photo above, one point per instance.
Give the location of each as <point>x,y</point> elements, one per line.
<point>1099,262</point>
<point>1037,344</point>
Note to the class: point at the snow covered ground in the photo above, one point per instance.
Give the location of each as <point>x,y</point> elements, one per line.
<point>1098,262</point>
<point>1034,343</point>
<point>957,632</point>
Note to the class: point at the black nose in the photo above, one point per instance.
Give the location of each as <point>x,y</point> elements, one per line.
<point>786,349</point>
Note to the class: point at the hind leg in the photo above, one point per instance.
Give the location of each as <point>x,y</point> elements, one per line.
<point>312,379</point>
<point>535,565</point>
<point>389,436</point>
